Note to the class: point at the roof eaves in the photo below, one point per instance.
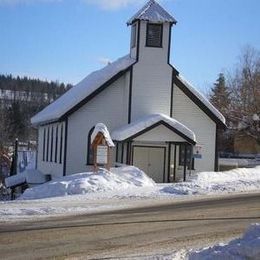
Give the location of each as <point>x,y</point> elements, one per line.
<point>95,93</point>
<point>199,103</point>
<point>161,122</point>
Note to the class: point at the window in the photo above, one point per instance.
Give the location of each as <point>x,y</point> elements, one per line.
<point>90,156</point>
<point>44,143</point>
<point>51,143</point>
<point>61,142</point>
<point>154,35</point>
<point>133,36</point>
<point>56,145</point>
<point>189,156</point>
<point>48,144</point>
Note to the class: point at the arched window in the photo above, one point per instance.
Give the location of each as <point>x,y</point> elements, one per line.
<point>90,155</point>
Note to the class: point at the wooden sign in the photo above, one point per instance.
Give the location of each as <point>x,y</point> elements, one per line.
<point>101,143</point>
<point>102,154</point>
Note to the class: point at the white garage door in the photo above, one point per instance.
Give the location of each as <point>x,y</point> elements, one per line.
<point>151,161</point>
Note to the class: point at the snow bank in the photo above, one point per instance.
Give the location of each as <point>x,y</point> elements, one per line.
<point>237,180</point>
<point>241,174</point>
<point>121,188</point>
<point>118,179</point>
<point>247,247</point>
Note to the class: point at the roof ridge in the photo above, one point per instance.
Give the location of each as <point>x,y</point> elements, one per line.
<point>161,14</point>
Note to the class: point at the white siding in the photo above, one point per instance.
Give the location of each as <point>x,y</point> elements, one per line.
<point>160,134</point>
<point>50,165</point>
<point>109,107</point>
<point>152,78</point>
<point>194,118</point>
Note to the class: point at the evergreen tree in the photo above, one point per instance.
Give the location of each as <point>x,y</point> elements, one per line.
<point>220,95</point>
<point>220,98</point>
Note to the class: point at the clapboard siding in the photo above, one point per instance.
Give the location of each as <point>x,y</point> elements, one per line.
<point>50,165</point>
<point>193,117</point>
<point>160,134</point>
<point>151,78</point>
<point>109,107</point>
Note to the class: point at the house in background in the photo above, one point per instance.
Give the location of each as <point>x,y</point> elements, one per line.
<point>158,121</point>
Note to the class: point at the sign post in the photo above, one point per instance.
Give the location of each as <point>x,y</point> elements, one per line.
<point>101,145</point>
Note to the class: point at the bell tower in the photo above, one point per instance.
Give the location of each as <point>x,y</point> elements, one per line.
<point>151,76</point>
<point>151,32</point>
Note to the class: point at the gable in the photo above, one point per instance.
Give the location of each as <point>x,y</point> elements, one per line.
<point>160,133</point>
<point>199,100</point>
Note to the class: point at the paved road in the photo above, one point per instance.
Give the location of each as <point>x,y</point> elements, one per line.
<point>142,231</point>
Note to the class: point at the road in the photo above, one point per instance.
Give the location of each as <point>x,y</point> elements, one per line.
<point>133,232</point>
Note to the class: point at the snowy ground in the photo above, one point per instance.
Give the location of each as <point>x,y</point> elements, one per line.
<point>246,247</point>
<point>121,188</point>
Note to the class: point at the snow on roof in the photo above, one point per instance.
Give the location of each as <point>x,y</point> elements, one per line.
<point>127,131</point>
<point>31,176</point>
<point>82,90</point>
<point>101,128</point>
<point>153,12</point>
<point>15,180</point>
<point>203,99</point>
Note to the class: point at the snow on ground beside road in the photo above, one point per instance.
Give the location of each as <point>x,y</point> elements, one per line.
<point>237,180</point>
<point>247,247</point>
<point>118,179</point>
<point>123,187</point>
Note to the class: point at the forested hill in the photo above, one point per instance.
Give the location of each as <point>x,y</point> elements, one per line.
<point>51,90</point>
<point>20,99</point>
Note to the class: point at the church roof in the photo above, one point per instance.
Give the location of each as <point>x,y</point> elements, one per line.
<point>84,89</point>
<point>152,12</point>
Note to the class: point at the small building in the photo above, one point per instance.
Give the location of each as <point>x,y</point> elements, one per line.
<point>156,118</point>
<point>246,144</point>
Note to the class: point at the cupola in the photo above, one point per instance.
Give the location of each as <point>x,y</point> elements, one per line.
<point>150,28</point>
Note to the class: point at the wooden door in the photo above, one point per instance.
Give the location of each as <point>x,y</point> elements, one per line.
<point>151,160</point>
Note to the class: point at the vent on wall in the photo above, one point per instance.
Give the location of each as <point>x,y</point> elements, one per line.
<point>154,35</point>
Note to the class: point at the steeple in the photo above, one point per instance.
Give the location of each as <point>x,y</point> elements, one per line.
<point>152,12</point>
<point>150,28</point>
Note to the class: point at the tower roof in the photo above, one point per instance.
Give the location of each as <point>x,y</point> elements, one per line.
<point>152,12</point>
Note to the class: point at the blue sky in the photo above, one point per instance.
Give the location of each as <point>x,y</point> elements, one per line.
<point>67,39</point>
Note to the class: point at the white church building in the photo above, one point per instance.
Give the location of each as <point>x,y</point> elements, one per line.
<point>158,121</point>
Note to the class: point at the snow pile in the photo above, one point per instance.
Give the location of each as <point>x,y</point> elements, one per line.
<point>147,121</point>
<point>247,247</point>
<point>234,180</point>
<point>118,179</point>
<point>101,128</point>
<point>237,180</point>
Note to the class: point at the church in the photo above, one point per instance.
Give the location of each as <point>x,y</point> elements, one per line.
<point>158,121</point>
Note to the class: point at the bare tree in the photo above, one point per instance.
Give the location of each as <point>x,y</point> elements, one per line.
<point>245,93</point>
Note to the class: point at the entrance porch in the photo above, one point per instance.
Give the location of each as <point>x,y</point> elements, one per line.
<point>159,145</point>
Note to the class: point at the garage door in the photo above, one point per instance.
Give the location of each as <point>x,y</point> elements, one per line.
<point>150,160</point>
